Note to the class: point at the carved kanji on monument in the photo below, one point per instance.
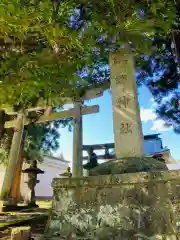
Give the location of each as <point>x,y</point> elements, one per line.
<point>123,102</point>
<point>125,128</point>
<point>121,79</point>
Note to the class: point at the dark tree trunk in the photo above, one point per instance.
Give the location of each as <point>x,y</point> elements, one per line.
<point>176,41</point>
<point>2,122</point>
<point>9,132</point>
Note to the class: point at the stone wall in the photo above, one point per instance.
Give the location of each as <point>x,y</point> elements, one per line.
<point>119,207</point>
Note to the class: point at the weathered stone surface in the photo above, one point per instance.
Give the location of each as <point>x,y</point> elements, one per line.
<point>128,136</point>
<point>116,207</point>
<point>129,165</point>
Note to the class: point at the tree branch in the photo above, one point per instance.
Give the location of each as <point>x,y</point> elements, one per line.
<point>56,6</point>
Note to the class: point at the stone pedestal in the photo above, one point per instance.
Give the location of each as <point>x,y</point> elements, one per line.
<point>128,135</point>
<point>116,207</point>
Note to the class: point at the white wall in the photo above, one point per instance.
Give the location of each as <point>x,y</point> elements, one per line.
<point>174,166</point>
<point>52,167</point>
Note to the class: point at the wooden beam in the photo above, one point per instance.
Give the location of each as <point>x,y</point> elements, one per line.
<point>111,145</point>
<point>112,157</point>
<point>93,92</point>
<point>98,146</point>
<point>96,91</point>
<point>57,115</point>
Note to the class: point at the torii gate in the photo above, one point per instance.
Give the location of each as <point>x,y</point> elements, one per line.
<point>22,120</point>
<point>126,115</point>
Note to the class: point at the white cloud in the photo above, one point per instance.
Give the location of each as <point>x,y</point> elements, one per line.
<point>154,104</point>
<point>147,115</point>
<point>159,125</point>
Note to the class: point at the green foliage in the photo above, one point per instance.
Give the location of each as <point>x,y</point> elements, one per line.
<point>4,150</point>
<point>30,64</point>
<point>43,139</point>
<point>45,44</point>
<point>144,237</point>
<point>159,71</point>
<point>39,139</point>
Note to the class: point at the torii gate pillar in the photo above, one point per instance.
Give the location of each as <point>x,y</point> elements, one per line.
<point>77,142</point>
<point>13,158</point>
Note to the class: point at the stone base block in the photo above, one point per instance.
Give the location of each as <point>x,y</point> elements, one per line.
<point>113,207</point>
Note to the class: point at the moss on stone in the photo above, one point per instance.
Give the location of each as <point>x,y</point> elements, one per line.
<point>129,165</point>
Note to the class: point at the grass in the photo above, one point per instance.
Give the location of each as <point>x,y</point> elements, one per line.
<point>19,229</point>
<point>42,205</point>
<point>18,220</point>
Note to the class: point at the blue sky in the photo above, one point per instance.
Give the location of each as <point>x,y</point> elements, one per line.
<point>98,128</point>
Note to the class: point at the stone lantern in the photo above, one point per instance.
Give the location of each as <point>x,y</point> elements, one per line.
<point>32,172</point>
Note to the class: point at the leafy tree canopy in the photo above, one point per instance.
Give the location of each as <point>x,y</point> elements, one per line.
<point>43,139</point>
<point>47,45</point>
<point>160,72</point>
<point>54,49</point>
<point>39,140</point>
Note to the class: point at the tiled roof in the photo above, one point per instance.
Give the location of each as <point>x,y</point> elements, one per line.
<point>55,158</point>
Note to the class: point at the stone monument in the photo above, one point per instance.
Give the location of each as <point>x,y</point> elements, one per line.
<point>118,206</point>
<point>129,140</point>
